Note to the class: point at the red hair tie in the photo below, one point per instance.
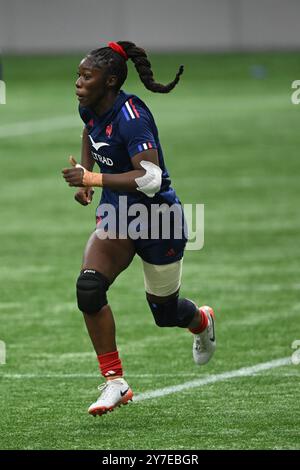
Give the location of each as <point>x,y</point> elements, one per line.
<point>119,49</point>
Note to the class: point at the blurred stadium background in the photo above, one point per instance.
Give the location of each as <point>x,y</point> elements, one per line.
<point>231,140</point>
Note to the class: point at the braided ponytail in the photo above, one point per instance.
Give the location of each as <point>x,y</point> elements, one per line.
<point>114,59</point>
<point>143,67</point>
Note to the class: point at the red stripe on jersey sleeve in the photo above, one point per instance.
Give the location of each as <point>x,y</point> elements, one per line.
<point>134,108</point>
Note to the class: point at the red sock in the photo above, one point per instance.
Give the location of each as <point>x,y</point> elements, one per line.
<point>110,364</point>
<point>202,325</point>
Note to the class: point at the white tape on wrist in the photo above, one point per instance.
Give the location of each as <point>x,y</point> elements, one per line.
<point>150,183</point>
<point>80,166</point>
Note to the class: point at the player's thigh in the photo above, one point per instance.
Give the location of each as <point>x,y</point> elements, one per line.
<point>162,282</point>
<point>109,256</point>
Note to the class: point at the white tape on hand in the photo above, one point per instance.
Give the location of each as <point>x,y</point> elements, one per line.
<point>80,166</point>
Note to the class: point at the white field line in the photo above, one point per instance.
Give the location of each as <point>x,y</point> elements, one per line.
<point>47,376</point>
<point>93,375</point>
<point>243,372</point>
<point>41,125</point>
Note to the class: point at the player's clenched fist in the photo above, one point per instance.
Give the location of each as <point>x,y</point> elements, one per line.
<point>84,196</point>
<point>79,176</point>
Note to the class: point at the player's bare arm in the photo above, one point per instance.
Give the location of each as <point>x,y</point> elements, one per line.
<point>85,194</point>
<point>78,176</point>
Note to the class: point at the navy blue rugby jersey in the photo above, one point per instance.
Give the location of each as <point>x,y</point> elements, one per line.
<point>116,136</point>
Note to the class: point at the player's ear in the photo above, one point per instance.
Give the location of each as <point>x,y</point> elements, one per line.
<point>111,81</point>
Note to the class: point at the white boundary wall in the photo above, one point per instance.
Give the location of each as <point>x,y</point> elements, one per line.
<point>79,25</point>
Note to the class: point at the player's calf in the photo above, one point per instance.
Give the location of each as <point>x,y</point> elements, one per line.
<point>173,312</point>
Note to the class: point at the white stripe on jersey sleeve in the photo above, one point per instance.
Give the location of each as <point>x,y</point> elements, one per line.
<point>129,110</point>
<point>145,146</point>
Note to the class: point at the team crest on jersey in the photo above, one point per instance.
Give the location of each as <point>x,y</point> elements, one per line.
<point>108,130</point>
<point>91,123</point>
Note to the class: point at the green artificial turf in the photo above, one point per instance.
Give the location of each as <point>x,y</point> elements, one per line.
<point>231,140</point>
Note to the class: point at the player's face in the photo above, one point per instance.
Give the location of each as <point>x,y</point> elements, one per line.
<point>91,85</point>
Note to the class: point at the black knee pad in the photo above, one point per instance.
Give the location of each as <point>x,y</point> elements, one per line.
<point>173,312</point>
<point>91,289</point>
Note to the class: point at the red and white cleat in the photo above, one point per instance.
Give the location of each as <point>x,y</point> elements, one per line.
<point>205,342</point>
<point>115,392</point>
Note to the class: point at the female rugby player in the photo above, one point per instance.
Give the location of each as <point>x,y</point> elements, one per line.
<point>120,135</point>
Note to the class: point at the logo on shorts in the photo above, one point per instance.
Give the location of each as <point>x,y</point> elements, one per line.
<point>171,252</point>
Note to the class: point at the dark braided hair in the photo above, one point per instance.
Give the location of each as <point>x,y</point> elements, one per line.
<point>116,65</point>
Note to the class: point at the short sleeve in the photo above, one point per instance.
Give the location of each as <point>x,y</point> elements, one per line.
<point>136,128</point>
